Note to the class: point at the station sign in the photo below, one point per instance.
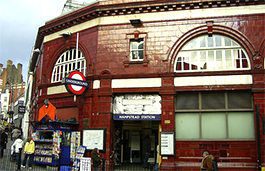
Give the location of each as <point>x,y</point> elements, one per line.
<point>75,83</point>
<point>137,117</point>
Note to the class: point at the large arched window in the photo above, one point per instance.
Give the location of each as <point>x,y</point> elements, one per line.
<point>67,62</point>
<point>216,53</point>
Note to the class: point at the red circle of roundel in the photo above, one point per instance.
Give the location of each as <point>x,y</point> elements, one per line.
<point>72,88</point>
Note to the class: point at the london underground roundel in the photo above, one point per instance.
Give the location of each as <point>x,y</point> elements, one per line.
<point>75,83</point>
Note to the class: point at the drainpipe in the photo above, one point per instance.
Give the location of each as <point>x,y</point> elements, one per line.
<point>258,137</point>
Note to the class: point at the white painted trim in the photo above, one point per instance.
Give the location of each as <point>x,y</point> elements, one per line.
<point>213,80</point>
<point>56,90</point>
<point>136,83</point>
<point>96,84</point>
<point>163,16</point>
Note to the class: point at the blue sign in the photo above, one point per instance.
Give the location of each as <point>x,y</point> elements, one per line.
<point>76,82</point>
<point>136,117</point>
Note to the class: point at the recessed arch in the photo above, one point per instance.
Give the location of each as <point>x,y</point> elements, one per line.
<point>71,45</point>
<point>203,30</point>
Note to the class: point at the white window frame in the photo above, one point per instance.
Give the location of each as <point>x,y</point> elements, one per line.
<point>202,53</point>
<point>136,51</point>
<point>66,63</point>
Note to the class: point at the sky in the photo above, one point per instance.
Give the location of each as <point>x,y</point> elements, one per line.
<point>19,23</point>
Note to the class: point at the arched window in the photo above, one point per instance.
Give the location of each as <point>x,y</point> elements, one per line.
<point>216,53</point>
<point>67,62</point>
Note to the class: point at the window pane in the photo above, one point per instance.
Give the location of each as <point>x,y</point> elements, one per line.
<point>141,46</point>
<point>213,100</point>
<point>241,125</point>
<point>187,125</point>
<point>214,126</point>
<point>219,60</point>
<point>210,41</point>
<point>194,60</point>
<point>227,41</point>
<point>179,63</point>
<point>187,101</point>
<point>134,45</point>
<point>203,63</point>
<point>239,100</point>
<point>141,54</point>
<point>192,44</point>
<point>218,41</point>
<point>202,41</point>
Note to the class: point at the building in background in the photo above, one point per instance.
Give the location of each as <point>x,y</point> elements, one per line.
<point>188,74</point>
<point>11,88</point>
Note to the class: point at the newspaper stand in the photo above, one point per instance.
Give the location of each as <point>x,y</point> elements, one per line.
<point>49,144</point>
<point>79,155</point>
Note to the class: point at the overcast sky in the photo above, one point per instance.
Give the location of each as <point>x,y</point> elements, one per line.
<point>19,23</point>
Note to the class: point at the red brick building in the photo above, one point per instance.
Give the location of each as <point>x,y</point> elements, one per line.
<point>191,69</point>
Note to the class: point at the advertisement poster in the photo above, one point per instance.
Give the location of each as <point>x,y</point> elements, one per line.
<point>167,143</point>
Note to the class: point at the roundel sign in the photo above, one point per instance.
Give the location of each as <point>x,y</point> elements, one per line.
<point>75,83</point>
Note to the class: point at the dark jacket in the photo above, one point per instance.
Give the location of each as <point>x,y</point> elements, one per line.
<point>96,160</point>
<point>3,140</point>
<point>207,164</point>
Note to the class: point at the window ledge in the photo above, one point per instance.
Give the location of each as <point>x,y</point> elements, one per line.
<point>126,64</point>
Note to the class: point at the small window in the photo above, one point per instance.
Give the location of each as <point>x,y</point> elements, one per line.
<point>137,49</point>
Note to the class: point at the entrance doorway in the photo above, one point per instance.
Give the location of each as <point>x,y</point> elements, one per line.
<point>128,141</point>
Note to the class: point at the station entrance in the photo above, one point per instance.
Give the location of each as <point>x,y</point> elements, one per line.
<point>128,141</point>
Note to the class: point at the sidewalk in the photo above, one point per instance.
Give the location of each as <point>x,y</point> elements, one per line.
<point>7,165</point>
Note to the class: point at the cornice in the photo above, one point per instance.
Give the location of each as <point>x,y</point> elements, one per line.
<point>102,9</point>
<point>96,10</point>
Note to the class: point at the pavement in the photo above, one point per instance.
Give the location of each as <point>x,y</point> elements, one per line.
<point>7,165</point>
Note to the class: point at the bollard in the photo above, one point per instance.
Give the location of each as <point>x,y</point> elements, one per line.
<point>19,159</point>
<point>103,164</point>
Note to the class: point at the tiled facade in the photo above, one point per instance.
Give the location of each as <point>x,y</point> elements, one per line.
<point>104,36</point>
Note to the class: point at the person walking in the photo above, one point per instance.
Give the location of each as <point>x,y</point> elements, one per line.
<point>146,150</point>
<point>18,143</point>
<point>16,133</point>
<point>157,157</point>
<point>206,164</point>
<point>29,153</point>
<point>96,159</point>
<point>3,142</point>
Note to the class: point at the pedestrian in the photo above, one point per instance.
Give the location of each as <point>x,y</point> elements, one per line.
<point>96,159</point>
<point>16,133</point>
<point>146,150</point>
<point>3,142</point>
<point>157,157</point>
<point>215,165</point>
<point>206,164</point>
<point>12,127</point>
<point>29,150</point>
<point>18,143</point>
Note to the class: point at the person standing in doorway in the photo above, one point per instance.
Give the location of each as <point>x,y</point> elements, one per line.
<point>96,159</point>
<point>29,153</point>
<point>146,150</point>
<point>3,142</point>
